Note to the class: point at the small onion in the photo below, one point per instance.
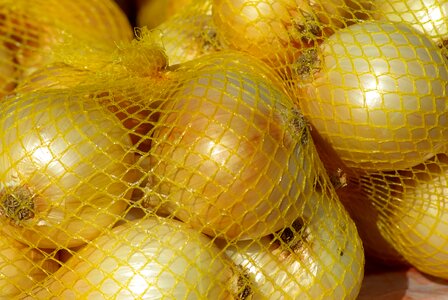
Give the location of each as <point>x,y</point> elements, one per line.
<point>428,16</point>
<point>376,93</point>
<point>189,35</point>
<point>231,155</point>
<point>318,257</point>
<point>64,168</point>
<point>153,258</point>
<point>21,266</point>
<point>152,13</point>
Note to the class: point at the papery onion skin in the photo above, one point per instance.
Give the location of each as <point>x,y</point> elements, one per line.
<point>427,16</point>
<point>231,152</point>
<point>152,258</point>
<point>323,259</point>
<point>21,266</point>
<point>376,93</point>
<point>65,168</point>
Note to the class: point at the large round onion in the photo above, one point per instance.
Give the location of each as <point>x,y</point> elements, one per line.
<point>153,258</point>
<point>320,256</point>
<point>376,93</point>
<point>65,168</point>
<point>231,155</point>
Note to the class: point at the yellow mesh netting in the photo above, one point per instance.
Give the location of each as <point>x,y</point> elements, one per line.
<point>229,149</point>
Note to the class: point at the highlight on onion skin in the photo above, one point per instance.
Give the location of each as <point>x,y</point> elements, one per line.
<point>376,93</point>
<point>413,212</point>
<point>318,256</point>
<point>151,258</point>
<point>428,16</point>
<point>231,154</point>
<point>21,266</point>
<point>65,168</point>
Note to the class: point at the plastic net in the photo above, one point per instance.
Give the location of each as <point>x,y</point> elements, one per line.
<point>229,150</point>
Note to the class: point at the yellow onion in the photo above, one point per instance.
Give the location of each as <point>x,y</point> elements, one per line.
<point>153,258</point>
<point>414,214</point>
<point>277,31</point>
<point>65,168</point>
<point>190,34</point>
<point>32,30</point>
<point>21,266</point>
<point>319,256</point>
<point>428,16</point>
<point>231,155</point>
<point>376,93</point>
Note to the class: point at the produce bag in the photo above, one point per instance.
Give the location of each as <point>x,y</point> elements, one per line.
<point>151,180</point>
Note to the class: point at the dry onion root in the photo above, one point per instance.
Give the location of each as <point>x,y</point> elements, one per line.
<point>413,214</point>
<point>65,168</point>
<point>376,94</point>
<point>231,155</point>
<point>152,258</point>
<point>21,266</point>
<point>319,256</point>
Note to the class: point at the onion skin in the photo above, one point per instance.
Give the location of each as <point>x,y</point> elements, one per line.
<point>65,168</point>
<point>428,16</point>
<point>230,152</point>
<point>152,258</point>
<point>21,266</point>
<point>323,259</point>
<point>376,93</point>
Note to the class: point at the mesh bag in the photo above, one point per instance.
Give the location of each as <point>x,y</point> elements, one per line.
<point>228,151</point>
<point>213,159</point>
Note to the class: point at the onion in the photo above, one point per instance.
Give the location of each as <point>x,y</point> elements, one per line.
<point>65,168</point>
<point>320,256</point>
<point>414,214</point>
<point>153,258</point>
<point>21,266</point>
<point>428,16</point>
<point>190,34</point>
<point>32,30</point>
<point>376,93</point>
<point>231,154</point>
<point>277,31</point>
